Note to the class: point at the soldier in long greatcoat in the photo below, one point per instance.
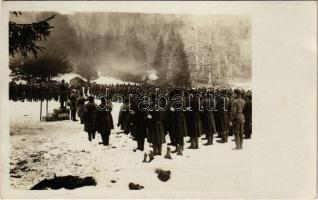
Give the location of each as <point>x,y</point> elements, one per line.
<point>194,121</point>
<point>73,106</point>
<point>156,131</point>
<point>89,116</point>
<point>208,121</point>
<point>104,120</point>
<point>231,99</point>
<point>63,93</point>
<point>179,127</point>
<point>124,117</point>
<point>237,119</point>
<point>170,126</point>
<point>80,102</point>
<point>139,126</point>
<point>222,107</point>
<point>247,111</point>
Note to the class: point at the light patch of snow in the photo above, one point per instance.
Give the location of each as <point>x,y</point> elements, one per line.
<point>246,85</point>
<point>67,77</point>
<point>109,80</point>
<point>152,75</point>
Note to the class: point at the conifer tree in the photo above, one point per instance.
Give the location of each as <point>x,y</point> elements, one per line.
<point>23,38</point>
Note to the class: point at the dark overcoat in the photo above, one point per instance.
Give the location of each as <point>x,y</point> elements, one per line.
<point>247,111</point>
<point>222,107</point>
<point>89,116</point>
<point>194,119</point>
<point>104,119</point>
<point>208,120</point>
<point>156,131</point>
<point>73,99</point>
<point>63,92</point>
<point>124,118</point>
<point>138,122</point>
<point>80,106</point>
<point>180,124</point>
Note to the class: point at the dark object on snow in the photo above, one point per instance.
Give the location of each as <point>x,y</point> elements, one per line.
<point>113,181</point>
<point>67,182</point>
<point>168,155</point>
<point>163,175</point>
<point>133,186</point>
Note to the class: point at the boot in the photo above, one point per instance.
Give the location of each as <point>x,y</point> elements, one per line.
<point>192,146</point>
<point>179,151</point>
<point>209,141</point>
<point>196,144</point>
<point>159,147</point>
<point>145,157</point>
<point>224,138</point>
<point>168,155</point>
<point>151,156</point>
<point>106,141</point>
<point>89,137</point>
<point>155,149</point>
<point>237,143</point>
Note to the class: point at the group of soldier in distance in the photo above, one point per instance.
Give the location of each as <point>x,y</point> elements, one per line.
<point>149,112</point>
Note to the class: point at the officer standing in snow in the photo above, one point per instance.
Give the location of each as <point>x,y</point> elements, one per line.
<point>73,106</point>
<point>104,120</point>
<point>63,93</point>
<point>247,111</point>
<point>89,116</point>
<point>237,119</point>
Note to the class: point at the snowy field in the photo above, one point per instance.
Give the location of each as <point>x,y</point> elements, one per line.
<point>41,149</point>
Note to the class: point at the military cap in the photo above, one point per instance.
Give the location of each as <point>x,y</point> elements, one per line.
<point>237,91</point>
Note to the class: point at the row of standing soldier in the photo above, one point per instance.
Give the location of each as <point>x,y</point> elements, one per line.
<point>231,116</point>
<point>227,118</point>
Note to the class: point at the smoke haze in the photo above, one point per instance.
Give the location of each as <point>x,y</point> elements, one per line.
<point>124,44</point>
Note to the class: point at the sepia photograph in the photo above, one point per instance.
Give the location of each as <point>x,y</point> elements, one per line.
<point>155,102</point>
<point>107,91</point>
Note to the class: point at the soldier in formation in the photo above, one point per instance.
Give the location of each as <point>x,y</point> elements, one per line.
<point>73,104</point>
<point>237,118</point>
<point>104,120</point>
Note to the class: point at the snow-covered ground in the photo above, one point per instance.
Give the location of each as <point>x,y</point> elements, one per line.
<point>41,149</point>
